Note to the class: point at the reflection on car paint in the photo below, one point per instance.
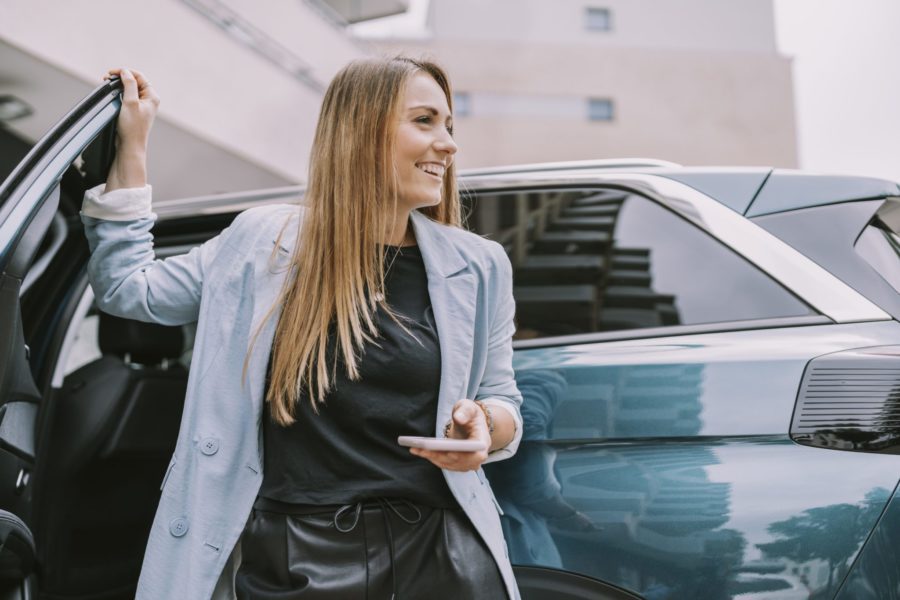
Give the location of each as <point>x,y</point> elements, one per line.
<point>657,518</point>
<point>646,469</point>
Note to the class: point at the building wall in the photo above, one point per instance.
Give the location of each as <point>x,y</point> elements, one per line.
<point>689,81</point>
<point>734,25</point>
<point>239,102</point>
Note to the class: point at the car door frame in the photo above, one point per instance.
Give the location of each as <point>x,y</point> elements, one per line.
<point>29,200</point>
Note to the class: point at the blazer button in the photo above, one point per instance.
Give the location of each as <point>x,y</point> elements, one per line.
<point>209,446</point>
<point>178,527</point>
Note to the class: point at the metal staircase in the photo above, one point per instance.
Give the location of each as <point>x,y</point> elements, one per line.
<point>570,277</point>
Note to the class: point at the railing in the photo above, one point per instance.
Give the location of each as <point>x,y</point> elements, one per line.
<point>530,224</point>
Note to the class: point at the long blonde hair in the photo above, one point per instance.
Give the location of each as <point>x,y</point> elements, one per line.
<point>337,267</point>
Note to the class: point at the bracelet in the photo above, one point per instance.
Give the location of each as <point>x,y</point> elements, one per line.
<point>487,415</point>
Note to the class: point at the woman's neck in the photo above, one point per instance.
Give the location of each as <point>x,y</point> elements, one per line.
<point>402,233</point>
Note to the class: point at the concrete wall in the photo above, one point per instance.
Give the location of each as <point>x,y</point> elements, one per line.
<point>692,81</point>
<point>691,106</point>
<point>740,25</point>
<point>231,116</point>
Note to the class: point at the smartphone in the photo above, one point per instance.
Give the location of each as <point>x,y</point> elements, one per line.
<point>441,444</point>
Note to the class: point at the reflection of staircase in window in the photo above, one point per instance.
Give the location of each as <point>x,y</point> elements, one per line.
<point>569,276</point>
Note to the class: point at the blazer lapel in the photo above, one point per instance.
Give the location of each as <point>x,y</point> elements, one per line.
<point>263,300</point>
<point>452,289</point>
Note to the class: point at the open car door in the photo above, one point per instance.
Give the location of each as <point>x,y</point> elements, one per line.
<point>35,264</point>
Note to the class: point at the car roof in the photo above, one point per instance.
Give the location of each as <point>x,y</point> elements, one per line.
<point>756,191</point>
<point>750,191</point>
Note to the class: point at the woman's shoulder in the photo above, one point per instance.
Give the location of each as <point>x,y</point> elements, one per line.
<point>462,238</point>
<point>477,251</point>
<point>267,220</point>
<point>267,215</point>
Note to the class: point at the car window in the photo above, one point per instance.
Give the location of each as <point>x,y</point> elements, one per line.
<point>880,247</point>
<point>604,260</point>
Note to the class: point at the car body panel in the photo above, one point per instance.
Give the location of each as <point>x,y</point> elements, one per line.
<point>876,573</point>
<point>686,519</point>
<point>652,441</point>
<point>714,377</point>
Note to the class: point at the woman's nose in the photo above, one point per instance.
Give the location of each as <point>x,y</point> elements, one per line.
<point>446,143</point>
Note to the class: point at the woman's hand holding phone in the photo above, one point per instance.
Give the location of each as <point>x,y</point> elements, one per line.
<point>467,423</point>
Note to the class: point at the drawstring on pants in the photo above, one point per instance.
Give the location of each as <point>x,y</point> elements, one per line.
<point>384,504</point>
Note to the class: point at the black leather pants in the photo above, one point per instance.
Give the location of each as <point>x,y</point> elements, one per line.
<point>382,549</point>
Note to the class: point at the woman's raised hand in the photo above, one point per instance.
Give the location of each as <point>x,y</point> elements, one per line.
<point>139,106</point>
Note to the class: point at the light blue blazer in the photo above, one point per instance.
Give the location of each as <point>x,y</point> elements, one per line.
<point>227,285</point>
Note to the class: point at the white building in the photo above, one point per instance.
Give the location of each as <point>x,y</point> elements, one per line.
<point>241,82</point>
<point>693,81</point>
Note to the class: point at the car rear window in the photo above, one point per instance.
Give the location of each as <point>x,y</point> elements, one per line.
<point>880,247</point>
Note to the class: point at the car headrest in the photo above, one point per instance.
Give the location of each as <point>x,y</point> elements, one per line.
<point>17,550</point>
<point>145,343</point>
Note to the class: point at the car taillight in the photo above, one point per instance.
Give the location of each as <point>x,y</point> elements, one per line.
<point>850,400</point>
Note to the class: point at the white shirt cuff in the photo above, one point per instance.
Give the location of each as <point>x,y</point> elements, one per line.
<point>509,449</point>
<point>125,204</point>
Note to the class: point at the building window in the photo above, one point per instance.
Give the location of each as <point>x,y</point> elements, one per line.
<point>598,19</point>
<point>600,109</point>
<point>461,104</point>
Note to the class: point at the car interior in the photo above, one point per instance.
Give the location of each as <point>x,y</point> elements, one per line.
<point>103,397</point>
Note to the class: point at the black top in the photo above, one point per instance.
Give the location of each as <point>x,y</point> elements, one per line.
<point>349,451</point>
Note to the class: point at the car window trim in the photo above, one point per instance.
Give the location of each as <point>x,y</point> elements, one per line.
<point>671,331</point>
<point>27,187</point>
<point>801,276</point>
<point>56,138</point>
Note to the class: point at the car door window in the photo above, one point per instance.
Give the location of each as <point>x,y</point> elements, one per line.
<point>605,260</point>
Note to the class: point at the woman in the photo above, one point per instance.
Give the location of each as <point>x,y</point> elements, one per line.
<point>324,333</point>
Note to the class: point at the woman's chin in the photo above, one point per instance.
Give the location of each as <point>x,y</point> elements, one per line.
<point>426,202</point>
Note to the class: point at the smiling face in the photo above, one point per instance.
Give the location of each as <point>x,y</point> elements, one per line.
<point>424,147</point>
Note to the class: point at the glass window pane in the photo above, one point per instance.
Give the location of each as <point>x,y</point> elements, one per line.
<point>881,249</point>
<point>600,109</point>
<point>461,105</point>
<point>598,19</point>
<point>603,260</point>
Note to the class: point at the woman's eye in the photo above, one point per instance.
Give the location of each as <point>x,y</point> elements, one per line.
<point>427,119</point>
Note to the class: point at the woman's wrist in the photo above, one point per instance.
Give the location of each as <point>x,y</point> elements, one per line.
<point>129,169</point>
